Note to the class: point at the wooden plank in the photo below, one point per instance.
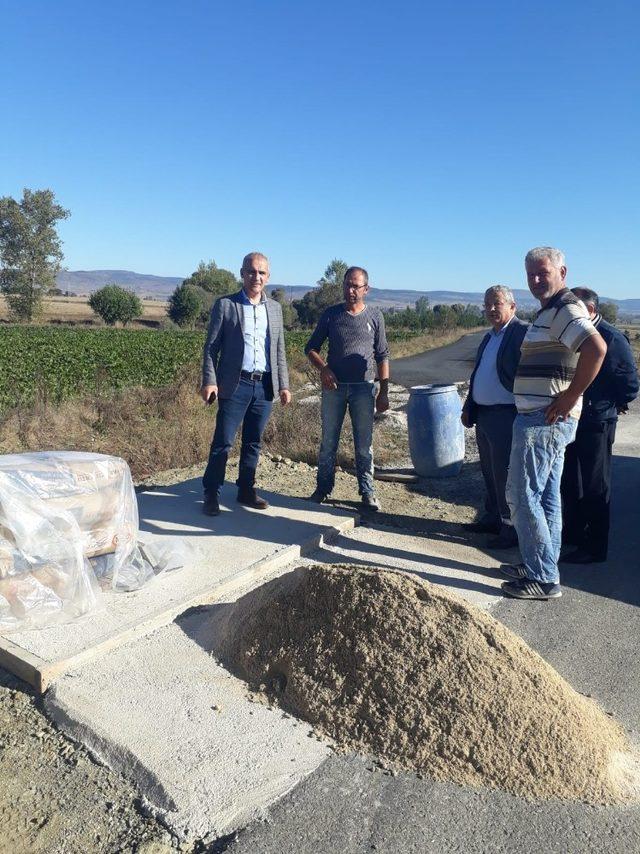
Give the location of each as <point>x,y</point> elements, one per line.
<point>397,477</point>
<point>23,664</point>
<point>41,673</point>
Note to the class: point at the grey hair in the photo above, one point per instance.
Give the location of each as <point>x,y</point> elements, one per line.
<point>250,257</point>
<point>503,291</point>
<point>541,252</point>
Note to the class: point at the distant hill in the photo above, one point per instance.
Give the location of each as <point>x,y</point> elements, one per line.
<point>144,285</point>
<point>161,287</point>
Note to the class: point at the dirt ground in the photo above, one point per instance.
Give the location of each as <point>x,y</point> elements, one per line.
<point>423,504</point>
<point>55,798</point>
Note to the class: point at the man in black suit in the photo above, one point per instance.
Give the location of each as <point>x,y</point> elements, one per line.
<point>490,406</point>
<point>586,477</point>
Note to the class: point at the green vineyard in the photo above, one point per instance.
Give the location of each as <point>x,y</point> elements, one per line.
<point>57,363</point>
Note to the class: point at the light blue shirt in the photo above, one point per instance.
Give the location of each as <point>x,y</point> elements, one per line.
<point>256,335</point>
<point>487,388</point>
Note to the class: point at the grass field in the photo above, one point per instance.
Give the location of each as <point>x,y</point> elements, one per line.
<point>83,389</point>
<point>56,309</point>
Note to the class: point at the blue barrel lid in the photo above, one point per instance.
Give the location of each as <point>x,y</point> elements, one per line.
<point>434,388</point>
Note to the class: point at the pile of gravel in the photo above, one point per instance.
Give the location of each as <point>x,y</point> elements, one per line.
<point>391,666</point>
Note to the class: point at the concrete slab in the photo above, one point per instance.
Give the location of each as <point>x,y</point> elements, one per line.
<point>164,713</point>
<point>452,563</point>
<point>239,544</point>
<point>206,759</point>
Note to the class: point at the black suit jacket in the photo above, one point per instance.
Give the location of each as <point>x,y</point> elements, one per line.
<point>506,361</point>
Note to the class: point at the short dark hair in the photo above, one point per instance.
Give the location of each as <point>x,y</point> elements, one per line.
<point>356,270</point>
<point>587,295</point>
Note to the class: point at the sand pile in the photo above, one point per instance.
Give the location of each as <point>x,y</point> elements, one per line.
<point>390,666</point>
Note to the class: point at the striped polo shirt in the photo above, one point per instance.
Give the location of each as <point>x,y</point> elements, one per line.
<point>549,352</point>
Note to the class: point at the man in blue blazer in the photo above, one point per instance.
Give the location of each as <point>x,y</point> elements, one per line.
<point>244,367</point>
<point>586,477</point>
<point>490,405</point>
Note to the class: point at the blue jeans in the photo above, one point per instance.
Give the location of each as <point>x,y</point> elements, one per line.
<point>533,490</point>
<point>250,405</point>
<point>360,399</point>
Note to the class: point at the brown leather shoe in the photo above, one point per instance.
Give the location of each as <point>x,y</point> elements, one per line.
<point>250,498</point>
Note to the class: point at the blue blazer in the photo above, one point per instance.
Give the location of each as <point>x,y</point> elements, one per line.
<point>617,382</point>
<point>506,361</point>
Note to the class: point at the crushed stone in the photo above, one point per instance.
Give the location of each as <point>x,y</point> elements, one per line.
<point>388,665</point>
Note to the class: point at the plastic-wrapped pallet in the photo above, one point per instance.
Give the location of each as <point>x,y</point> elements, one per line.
<point>60,512</point>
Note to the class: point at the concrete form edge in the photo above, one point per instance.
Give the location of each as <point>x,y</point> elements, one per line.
<point>40,674</point>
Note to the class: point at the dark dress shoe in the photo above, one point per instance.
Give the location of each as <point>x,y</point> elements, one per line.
<point>250,498</point>
<point>582,557</point>
<point>503,541</point>
<point>211,507</point>
<point>482,527</point>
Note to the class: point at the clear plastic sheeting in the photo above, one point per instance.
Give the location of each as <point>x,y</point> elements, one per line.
<point>68,527</point>
<point>149,558</point>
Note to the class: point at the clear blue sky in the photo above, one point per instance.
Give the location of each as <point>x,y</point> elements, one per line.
<point>432,143</point>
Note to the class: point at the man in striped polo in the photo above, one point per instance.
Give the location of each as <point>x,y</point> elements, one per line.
<point>560,357</point>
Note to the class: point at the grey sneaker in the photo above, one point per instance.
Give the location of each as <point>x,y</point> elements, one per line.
<point>370,502</point>
<point>524,588</point>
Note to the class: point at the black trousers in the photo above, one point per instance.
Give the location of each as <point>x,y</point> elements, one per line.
<point>586,488</point>
<point>494,425</point>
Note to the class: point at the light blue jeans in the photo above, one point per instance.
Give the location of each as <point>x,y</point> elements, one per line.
<point>359,398</point>
<point>533,490</point>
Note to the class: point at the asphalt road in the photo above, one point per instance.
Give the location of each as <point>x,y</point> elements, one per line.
<point>590,636</point>
<point>448,364</point>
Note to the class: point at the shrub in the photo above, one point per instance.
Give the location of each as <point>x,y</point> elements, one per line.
<point>113,303</point>
<point>185,305</point>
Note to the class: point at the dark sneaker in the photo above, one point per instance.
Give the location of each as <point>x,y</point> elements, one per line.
<point>317,497</point>
<point>370,502</point>
<point>503,541</point>
<point>513,570</point>
<point>524,588</point>
<point>210,506</point>
<point>250,498</point>
<point>580,556</point>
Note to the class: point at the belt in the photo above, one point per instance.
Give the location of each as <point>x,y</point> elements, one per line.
<point>254,376</point>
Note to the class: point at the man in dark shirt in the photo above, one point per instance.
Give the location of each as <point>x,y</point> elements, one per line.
<point>586,478</point>
<point>357,352</point>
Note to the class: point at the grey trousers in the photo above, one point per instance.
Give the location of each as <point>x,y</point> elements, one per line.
<point>494,425</point>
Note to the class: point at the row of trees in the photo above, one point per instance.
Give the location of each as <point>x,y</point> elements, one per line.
<point>30,256</point>
<point>424,317</point>
<point>190,303</point>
